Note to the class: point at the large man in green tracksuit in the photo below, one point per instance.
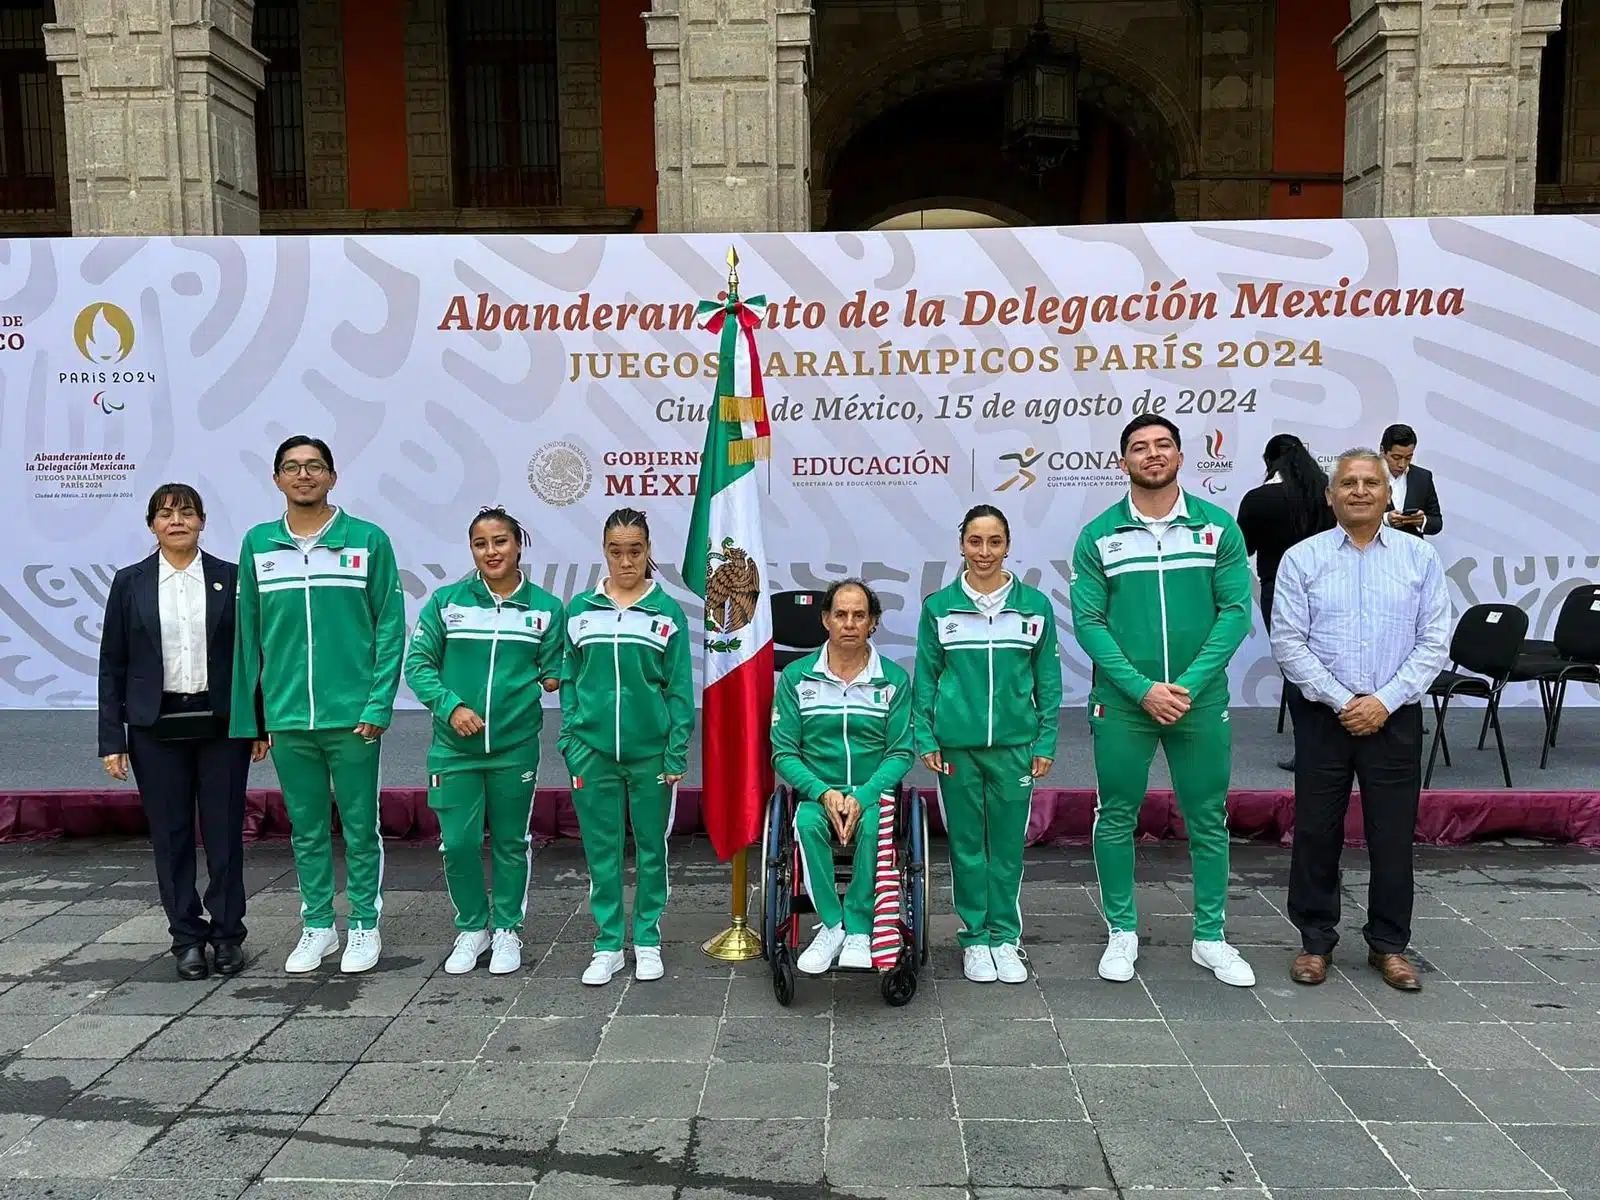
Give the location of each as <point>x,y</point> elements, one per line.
<point>493,655</point>
<point>321,626</point>
<point>1160,603</point>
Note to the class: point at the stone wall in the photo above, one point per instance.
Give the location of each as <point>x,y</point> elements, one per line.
<point>322,102</point>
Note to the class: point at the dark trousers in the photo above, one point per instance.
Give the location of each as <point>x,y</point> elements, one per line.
<point>1388,765</point>
<point>175,779</point>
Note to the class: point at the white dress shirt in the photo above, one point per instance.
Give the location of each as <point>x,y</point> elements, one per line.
<point>1348,622</point>
<point>182,597</point>
<point>1397,493</point>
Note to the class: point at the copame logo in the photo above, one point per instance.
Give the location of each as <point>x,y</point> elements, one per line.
<point>1215,462</point>
<point>103,333</point>
<point>1214,444</point>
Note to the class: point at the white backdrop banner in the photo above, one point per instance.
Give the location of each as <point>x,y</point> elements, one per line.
<point>911,375</point>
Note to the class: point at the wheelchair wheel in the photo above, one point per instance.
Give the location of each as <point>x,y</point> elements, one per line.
<point>917,891</point>
<point>773,902</point>
<point>782,975</point>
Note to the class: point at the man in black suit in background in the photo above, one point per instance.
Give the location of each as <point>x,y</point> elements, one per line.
<point>1413,502</point>
<point>166,684</point>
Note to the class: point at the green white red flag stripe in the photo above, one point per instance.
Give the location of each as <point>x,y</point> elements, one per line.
<point>725,564</point>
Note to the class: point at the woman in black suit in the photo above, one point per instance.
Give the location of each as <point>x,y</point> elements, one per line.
<point>1289,507</point>
<point>166,682</point>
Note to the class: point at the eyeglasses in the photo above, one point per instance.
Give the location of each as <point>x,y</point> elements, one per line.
<point>313,469</point>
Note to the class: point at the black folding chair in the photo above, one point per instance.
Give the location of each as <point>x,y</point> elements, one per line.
<point>1576,659</point>
<point>797,628</point>
<point>1483,652</point>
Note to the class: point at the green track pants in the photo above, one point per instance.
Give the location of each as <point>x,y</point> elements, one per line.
<point>608,795</point>
<point>986,799</point>
<point>815,835</point>
<point>1199,751</point>
<point>501,791</point>
<point>317,768</point>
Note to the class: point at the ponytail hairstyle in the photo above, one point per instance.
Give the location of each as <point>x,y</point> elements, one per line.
<point>495,512</point>
<point>978,511</point>
<point>632,518</point>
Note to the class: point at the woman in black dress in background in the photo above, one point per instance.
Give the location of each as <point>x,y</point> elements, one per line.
<point>1289,507</point>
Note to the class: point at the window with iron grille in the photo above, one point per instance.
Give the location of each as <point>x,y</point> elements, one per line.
<point>28,126</point>
<point>280,115</point>
<point>505,127</point>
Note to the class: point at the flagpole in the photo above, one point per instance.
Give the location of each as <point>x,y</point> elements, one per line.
<point>738,942</point>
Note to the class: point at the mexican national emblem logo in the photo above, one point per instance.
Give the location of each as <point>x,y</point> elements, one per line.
<point>559,474</point>
<point>733,589</point>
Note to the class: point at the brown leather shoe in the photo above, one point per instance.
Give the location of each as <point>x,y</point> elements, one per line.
<point>1396,970</point>
<point>1310,969</point>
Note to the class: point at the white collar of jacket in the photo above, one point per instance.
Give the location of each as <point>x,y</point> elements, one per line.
<point>601,594</point>
<point>872,672</point>
<point>1179,515</point>
<point>517,599</point>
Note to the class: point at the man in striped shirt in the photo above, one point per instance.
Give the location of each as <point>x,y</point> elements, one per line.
<point>1360,627</point>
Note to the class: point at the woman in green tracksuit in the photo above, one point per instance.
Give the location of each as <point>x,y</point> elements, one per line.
<point>841,737</point>
<point>985,700</point>
<point>482,650</point>
<point>627,710</point>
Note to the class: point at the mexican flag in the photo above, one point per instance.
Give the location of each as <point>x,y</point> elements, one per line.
<point>724,564</point>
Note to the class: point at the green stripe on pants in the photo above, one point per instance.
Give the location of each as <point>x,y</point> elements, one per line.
<point>612,795</point>
<point>463,798</point>
<point>316,768</point>
<point>986,800</point>
<point>815,834</point>
<point>1199,751</point>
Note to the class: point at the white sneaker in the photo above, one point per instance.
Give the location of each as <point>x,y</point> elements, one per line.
<point>1010,964</point>
<point>857,952</point>
<point>603,966</point>
<point>1122,951</point>
<point>361,950</point>
<point>1223,961</point>
<point>314,946</point>
<point>507,956</point>
<point>647,963</point>
<point>823,951</point>
<point>469,948</point>
<point>977,964</point>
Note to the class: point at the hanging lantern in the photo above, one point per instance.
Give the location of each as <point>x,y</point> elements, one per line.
<point>1041,102</point>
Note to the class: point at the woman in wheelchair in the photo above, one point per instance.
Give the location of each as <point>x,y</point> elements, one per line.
<point>987,694</point>
<point>841,737</point>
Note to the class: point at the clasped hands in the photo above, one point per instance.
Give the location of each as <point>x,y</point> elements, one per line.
<point>844,813</point>
<point>1364,715</point>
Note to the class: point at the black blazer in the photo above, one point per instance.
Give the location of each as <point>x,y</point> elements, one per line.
<point>1420,493</point>
<point>131,667</point>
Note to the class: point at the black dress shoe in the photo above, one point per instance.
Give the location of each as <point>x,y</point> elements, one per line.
<point>1286,764</point>
<point>192,963</point>
<point>229,958</point>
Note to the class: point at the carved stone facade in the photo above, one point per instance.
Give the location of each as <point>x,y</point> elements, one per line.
<point>1442,102</point>
<point>732,119</point>
<point>322,97</point>
<point>159,97</point>
<point>428,104</point>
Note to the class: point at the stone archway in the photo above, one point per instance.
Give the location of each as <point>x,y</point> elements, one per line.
<point>857,89</point>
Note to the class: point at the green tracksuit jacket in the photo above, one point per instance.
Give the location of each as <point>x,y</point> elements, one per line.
<point>987,681</point>
<point>1173,611</point>
<point>472,648</point>
<point>855,737</point>
<point>627,683</point>
<point>334,620</point>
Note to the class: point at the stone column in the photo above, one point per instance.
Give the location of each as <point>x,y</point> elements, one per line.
<point>160,100</point>
<point>733,122</point>
<point>1441,105</point>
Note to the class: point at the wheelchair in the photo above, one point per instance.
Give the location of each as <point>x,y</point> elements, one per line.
<point>784,900</point>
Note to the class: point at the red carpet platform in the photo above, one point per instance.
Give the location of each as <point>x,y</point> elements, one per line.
<point>1060,815</point>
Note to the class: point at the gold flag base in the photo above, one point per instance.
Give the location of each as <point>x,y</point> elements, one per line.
<point>737,943</point>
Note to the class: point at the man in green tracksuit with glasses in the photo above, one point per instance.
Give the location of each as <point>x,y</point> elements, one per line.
<point>321,627</point>
<point>1160,603</point>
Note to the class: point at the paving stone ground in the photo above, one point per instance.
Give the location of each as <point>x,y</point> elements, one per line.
<point>117,1081</point>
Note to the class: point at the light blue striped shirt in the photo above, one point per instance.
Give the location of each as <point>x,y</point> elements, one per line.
<point>1348,622</point>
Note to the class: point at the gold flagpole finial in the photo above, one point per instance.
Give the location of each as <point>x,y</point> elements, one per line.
<point>733,269</point>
